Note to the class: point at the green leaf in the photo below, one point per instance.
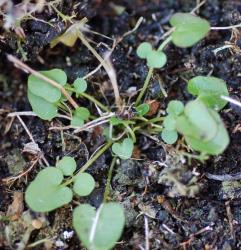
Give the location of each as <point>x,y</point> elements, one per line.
<point>45,90</point>
<point>77,121</point>
<point>143,109</point>
<point>209,89</point>
<point>42,108</point>
<point>101,229</point>
<point>200,117</point>
<point>143,50</point>
<point>169,136</point>
<point>124,149</point>
<point>82,113</point>
<point>217,144</point>
<point>189,29</point>
<point>67,165</point>
<point>116,121</point>
<point>84,184</point>
<point>175,107</point>
<point>156,59</point>
<point>185,127</point>
<point>45,193</point>
<point>169,122</point>
<point>80,85</point>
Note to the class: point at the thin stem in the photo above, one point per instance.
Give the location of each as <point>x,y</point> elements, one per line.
<point>131,132</point>
<point>26,68</point>
<point>145,86</point>
<point>95,157</point>
<point>226,27</point>
<point>92,99</point>
<point>89,162</point>
<point>156,119</point>
<point>107,187</point>
<point>108,68</point>
<point>164,43</point>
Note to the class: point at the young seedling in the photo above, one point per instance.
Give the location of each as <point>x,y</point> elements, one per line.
<point>198,121</point>
<point>90,225</point>
<point>188,29</point>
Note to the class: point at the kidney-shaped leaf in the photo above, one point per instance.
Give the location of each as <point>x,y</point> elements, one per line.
<point>45,193</point>
<point>84,184</point>
<point>45,90</point>
<point>67,165</point>
<point>99,230</point>
<point>156,59</point>
<point>42,108</point>
<point>209,89</point>
<point>189,29</point>
<point>123,149</point>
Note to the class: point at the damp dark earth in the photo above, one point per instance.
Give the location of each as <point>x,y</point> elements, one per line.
<point>173,196</point>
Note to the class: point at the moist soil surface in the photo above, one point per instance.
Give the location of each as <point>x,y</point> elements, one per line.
<point>173,198</point>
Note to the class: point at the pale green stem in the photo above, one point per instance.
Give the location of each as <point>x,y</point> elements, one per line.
<point>90,98</point>
<point>107,187</point>
<point>89,162</point>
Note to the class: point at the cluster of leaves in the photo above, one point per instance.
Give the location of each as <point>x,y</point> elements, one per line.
<point>46,99</point>
<point>199,121</point>
<point>48,191</point>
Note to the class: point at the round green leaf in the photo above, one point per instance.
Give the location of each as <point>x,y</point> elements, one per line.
<point>143,109</point>
<point>175,107</point>
<point>101,229</point>
<point>67,165</point>
<point>169,136</point>
<point>42,108</point>
<point>189,29</point>
<point>156,59</point>
<point>77,121</point>
<point>124,149</point>
<point>45,90</point>
<point>209,89</point>
<point>169,122</point>
<point>84,184</point>
<point>80,85</point>
<point>82,113</point>
<point>45,193</point>
<point>143,50</point>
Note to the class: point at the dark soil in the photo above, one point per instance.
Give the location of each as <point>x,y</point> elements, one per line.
<point>207,215</point>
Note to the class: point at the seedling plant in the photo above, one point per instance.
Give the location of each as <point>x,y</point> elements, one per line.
<point>51,96</point>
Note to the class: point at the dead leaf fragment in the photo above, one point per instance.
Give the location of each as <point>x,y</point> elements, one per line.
<point>15,210</point>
